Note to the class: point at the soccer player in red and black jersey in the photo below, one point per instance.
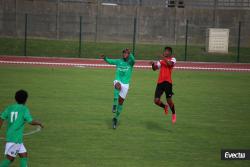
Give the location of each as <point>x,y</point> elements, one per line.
<point>164,83</point>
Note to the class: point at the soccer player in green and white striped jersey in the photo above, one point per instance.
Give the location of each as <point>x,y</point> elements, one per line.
<point>16,115</point>
<point>124,69</point>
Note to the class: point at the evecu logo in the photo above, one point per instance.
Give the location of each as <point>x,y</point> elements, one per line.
<point>235,154</point>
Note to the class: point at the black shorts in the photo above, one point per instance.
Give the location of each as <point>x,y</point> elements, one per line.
<point>164,87</point>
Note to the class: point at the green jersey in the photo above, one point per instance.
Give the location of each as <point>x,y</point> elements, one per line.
<point>16,116</point>
<point>123,68</point>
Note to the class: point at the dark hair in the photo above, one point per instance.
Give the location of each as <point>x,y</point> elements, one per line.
<point>126,51</point>
<point>21,96</point>
<point>168,48</point>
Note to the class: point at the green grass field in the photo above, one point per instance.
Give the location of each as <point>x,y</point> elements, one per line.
<point>75,106</point>
<point>62,48</point>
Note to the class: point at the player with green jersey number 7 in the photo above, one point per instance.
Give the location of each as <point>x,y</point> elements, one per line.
<point>124,69</point>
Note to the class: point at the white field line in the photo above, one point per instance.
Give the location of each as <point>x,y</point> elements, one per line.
<point>107,65</point>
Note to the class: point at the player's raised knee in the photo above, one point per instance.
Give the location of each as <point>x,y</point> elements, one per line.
<point>118,86</point>
<point>157,101</point>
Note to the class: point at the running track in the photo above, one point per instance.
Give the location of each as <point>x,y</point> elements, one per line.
<point>98,63</point>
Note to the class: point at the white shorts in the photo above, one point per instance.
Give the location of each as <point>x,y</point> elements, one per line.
<point>12,149</point>
<point>124,89</point>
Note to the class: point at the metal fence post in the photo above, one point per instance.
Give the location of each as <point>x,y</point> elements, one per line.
<point>80,38</point>
<point>25,34</point>
<point>98,6</point>
<point>134,36</point>
<point>239,35</point>
<point>186,41</point>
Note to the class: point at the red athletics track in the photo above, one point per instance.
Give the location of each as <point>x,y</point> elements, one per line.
<point>98,63</point>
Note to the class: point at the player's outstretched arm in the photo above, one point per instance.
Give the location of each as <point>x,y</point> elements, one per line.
<point>131,59</point>
<point>108,60</point>
<point>36,123</point>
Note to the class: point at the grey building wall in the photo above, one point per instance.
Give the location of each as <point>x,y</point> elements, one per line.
<point>60,19</point>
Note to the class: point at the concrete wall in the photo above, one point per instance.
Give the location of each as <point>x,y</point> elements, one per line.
<point>53,20</point>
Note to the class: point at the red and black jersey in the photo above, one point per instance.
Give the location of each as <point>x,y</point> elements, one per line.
<point>165,69</point>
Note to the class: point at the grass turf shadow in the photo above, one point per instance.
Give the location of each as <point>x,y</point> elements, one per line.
<point>155,126</point>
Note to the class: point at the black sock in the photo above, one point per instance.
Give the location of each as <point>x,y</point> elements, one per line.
<point>172,109</point>
<point>162,105</point>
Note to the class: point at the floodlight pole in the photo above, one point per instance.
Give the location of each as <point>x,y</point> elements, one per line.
<point>97,20</point>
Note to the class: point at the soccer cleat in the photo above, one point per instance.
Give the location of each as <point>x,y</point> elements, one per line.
<point>114,121</point>
<point>166,109</point>
<point>173,118</point>
<point>114,109</point>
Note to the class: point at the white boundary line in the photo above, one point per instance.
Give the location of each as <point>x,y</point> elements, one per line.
<point>96,59</point>
<point>106,65</point>
<point>213,68</point>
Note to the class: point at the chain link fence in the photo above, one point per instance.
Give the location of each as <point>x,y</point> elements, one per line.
<point>84,36</point>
